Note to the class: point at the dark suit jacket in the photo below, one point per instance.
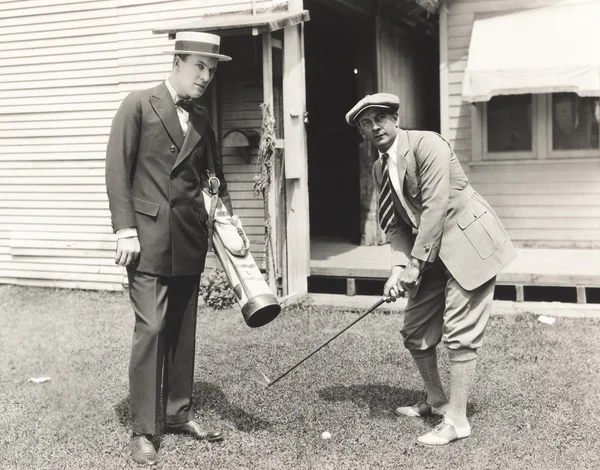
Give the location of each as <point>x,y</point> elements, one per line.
<point>454,222</point>
<point>154,177</point>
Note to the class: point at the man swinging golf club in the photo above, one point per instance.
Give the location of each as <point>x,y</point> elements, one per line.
<point>447,245</point>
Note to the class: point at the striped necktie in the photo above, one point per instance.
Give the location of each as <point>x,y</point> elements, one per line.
<point>386,206</point>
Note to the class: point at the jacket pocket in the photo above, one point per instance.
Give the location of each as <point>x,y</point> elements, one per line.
<point>145,207</point>
<point>482,227</point>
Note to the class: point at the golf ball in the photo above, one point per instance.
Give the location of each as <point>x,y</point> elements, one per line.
<point>326,435</point>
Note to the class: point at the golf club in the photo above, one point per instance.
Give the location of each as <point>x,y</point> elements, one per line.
<point>262,379</point>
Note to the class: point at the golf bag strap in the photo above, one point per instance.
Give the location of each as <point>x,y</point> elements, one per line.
<point>213,190</point>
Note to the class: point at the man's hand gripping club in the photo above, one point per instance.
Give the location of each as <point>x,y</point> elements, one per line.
<point>402,279</point>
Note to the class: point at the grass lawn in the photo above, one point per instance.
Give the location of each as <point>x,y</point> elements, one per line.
<point>536,404</point>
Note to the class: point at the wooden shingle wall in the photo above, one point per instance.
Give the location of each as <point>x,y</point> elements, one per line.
<point>65,66</point>
<point>552,203</point>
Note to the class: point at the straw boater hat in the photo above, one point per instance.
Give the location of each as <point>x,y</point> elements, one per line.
<point>191,42</point>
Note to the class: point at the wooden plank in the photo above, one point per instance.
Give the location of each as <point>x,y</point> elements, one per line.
<point>58,266</point>
<point>54,283</point>
<point>104,214</point>
<point>49,164</point>
<point>83,116</point>
<point>549,223</point>
<point>78,276</point>
<point>294,93</point>
<point>564,212</point>
<point>108,260</point>
<point>544,200</point>
<point>61,223</point>
<point>535,187</point>
<point>26,197</point>
<point>561,234</point>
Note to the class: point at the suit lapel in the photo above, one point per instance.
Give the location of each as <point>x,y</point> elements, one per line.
<point>163,105</point>
<point>401,151</point>
<point>196,128</point>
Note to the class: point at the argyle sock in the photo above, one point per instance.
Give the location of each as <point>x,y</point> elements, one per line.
<point>426,362</point>
<point>462,377</point>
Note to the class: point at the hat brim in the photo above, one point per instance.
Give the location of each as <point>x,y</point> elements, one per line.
<point>383,106</point>
<point>220,57</point>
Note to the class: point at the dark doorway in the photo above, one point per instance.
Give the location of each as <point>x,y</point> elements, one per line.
<point>331,90</point>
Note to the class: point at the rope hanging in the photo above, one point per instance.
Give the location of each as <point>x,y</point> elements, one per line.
<point>262,181</point>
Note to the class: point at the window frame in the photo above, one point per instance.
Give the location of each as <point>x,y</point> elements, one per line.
<point>541,133</point>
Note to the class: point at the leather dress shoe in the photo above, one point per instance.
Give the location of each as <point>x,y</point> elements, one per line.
<point>142,450</point>
<point>194,429</point>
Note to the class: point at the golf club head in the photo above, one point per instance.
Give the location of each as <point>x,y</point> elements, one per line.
<point>261,378</point>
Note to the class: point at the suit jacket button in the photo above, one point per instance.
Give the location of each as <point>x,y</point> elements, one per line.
<point>172,149</point>
<point>172,177</point>
<point>172,204</point>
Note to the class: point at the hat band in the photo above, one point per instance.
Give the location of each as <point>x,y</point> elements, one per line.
<point>195,47</point>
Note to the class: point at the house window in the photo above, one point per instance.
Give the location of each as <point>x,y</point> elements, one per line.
<point>574,122</point>
<point>531,127</point>
<point>510,124</point>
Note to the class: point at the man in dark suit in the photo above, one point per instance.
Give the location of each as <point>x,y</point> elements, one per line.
<point>447,244</point>
<point>158,158</point>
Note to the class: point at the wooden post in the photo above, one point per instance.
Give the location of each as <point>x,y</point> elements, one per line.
<point>444,74</point>
<point>296,169</point>
<point>366,81</point>
<point>351,286</point>
<point>520,292</point>
<point>581,297</point>
<point>270,204</point>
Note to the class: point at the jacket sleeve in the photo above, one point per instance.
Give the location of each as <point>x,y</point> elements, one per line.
<point>121,155</point>
<point>399,233</point>
<point>433,161</point>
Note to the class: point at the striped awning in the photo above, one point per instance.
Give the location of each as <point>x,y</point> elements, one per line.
<point>539,50</point>
<point>239,23</point>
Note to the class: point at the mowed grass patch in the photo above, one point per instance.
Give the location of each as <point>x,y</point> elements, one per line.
<point>536,403</point>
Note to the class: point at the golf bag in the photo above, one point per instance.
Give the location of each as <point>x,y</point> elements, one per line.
<point>232,247</point>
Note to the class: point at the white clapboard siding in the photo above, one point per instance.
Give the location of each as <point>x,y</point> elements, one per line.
<point>542,204</point>
<point>65,66</point>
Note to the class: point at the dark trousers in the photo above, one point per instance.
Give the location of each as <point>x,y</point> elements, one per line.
<point>163,349</point>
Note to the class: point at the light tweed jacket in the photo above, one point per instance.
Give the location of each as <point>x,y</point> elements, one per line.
<point>454,222</point>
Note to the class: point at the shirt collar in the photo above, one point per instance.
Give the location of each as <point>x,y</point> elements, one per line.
<point>172,91</point>
<point>393,150</point>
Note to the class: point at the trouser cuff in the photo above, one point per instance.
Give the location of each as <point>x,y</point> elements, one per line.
<point>462,355</point>
<point>180,418</point>
<point>422,353</point>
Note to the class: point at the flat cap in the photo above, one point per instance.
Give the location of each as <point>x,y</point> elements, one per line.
<point>378,100</point>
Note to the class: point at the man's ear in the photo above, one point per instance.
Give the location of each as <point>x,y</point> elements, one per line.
<point>395,116</point>
<point>361,132</point>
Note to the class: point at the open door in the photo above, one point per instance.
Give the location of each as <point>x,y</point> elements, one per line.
<point>333,158</point>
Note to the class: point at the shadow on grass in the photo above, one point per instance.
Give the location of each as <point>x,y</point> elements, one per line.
<point>380,399</point>
<point>207,395</point>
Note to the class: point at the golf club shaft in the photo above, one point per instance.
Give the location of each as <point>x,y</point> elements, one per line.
<point>377,304</point>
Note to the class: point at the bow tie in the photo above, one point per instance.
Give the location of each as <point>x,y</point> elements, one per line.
<point>186,105</point>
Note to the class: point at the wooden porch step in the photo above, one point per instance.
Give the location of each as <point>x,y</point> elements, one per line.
<point>536,273</point>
